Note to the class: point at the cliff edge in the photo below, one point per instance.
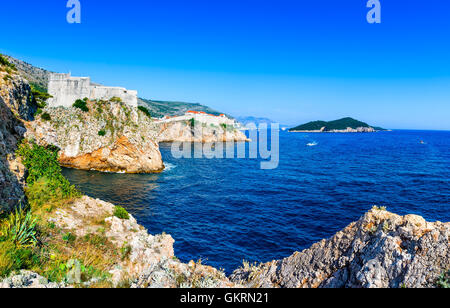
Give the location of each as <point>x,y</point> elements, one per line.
<point>107,136</point>
<point>381,250</point>
<point>16,106</point>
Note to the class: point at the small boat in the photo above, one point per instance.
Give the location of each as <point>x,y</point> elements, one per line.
<point>312,144</point>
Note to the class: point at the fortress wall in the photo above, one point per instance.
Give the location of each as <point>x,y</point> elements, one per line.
<point>66,90</point>
<point>128,96</point>
<point>203,118</point>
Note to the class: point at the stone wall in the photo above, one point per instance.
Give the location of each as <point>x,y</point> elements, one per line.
<point>66,89</point>
<point>203,118</point>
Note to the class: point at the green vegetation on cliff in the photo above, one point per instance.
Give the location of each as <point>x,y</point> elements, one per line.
<point>43,167</point>
<point>341,124</point>
<point>29,241</point>
<point>4,62</point>
<point>81,104</point>
<point>145,111</point>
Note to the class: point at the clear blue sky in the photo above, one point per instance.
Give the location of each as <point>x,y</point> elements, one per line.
<point>292,61</point>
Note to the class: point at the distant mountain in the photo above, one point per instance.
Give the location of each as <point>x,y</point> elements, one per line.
<point>160,109</point>
<point>337,125</point>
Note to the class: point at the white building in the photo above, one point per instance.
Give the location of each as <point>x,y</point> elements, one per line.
<point>66,89</point>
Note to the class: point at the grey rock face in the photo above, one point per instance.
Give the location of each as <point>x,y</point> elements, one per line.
<point>381,250</point>
<point>27,279</point>
<point>15,107</point>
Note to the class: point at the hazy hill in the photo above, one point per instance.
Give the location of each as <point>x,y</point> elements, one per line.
<point>341,124</point>
<point>36,76</point>
<point>160,109</point>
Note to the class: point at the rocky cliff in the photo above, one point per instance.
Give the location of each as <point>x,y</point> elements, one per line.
<point>185,131</point>
<point>381,250</point>
<point>134,256</point>
<point>110,137</point>
<point>16,106</point>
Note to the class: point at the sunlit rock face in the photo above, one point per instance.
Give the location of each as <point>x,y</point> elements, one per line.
<point>110,137</point>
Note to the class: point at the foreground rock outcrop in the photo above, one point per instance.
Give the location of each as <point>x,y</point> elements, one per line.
<point>29,280</point>
<point>110,137</point>
<point>149,261</point>
<point>381,250</point>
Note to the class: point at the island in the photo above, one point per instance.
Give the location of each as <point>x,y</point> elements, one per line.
<point>345,125</point>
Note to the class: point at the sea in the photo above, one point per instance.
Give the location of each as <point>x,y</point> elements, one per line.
<point>225,211</point>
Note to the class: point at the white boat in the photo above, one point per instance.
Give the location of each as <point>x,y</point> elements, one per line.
<point>312,144</point>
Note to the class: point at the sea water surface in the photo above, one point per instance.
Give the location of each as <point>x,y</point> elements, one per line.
<point>224,211</point>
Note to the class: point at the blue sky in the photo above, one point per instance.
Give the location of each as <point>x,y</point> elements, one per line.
<point>292,61</point>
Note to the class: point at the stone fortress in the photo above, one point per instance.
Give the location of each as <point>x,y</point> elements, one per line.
<point>203,117</point>
<point>65,90</point>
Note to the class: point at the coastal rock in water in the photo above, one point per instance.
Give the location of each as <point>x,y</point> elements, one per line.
<point>16,106</point>
<point>381,250</point>
<point>122,156</point>
<point>182,131</point>
<point>110,137</point>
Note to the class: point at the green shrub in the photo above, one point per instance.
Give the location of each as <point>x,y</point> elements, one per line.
<point>44,171</point>
<point>36,87</point>
<point>444,281</point>
<point>20,229</point>
<point>145,111</point>
<point>81,104</point>
<point>40,95</point>
<point>121,213</point>
<point>38,112</point>
<point>69,238</point>
<point>116,99</point>
<point>102,133</point>
<point>13,259</point>
<point>5,62</point>
<point>125,251</point>
<point>46,117</point>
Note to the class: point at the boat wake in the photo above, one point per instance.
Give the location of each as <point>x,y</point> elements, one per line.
<point>169,167</point>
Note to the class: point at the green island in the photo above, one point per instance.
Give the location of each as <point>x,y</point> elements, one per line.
<point>344,125</point>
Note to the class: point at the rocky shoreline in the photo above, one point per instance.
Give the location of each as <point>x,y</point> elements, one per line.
<point>380,250</point>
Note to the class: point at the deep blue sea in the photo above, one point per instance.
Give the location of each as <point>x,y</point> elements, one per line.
<point>224,211</point>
